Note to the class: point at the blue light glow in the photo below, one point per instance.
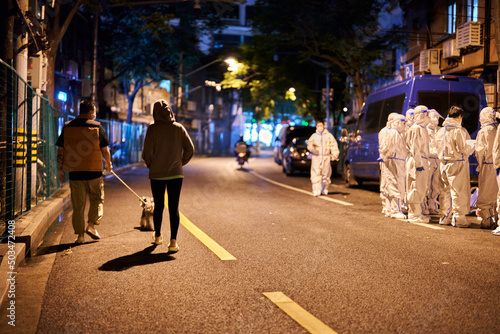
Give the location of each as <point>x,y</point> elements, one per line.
<point>62,96</point>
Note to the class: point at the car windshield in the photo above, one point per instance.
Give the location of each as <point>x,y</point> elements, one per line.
<point>300,143</point>
<point>301,132</point>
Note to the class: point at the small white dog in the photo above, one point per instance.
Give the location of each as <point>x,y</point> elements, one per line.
<point>148,207</point>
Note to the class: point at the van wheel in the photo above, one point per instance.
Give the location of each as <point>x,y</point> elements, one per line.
<point>349,177</point>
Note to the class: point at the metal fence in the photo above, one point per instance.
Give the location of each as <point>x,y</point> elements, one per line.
<point>28,172</point>
<point>29,128</point>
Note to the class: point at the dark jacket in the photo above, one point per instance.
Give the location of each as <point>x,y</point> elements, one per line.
<point>167,146</point>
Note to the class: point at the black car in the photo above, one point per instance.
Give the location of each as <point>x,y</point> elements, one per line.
<point>285,137</point>
<point>296,156</point>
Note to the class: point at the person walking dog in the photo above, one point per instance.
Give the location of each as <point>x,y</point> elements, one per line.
<point>82,146</point>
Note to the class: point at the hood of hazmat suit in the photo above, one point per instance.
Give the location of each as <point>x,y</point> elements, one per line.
<point>454,141</point>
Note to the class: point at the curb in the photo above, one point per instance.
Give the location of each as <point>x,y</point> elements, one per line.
<point>30,230</point>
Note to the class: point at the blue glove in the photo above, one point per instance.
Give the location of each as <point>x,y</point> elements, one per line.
<point>420,169</point>
<point>380,160</point>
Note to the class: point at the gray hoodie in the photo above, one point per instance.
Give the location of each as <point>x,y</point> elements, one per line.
<point>167,146</point>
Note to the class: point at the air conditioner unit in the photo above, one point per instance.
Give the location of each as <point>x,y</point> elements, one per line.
<point>430,61</point>
<point>469,34</point>
<point>450,49</point>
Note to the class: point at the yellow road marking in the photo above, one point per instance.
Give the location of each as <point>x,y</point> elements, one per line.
<point>217,249</point>
<point>300,190</point>
<point>297,313</point>
<point>205,239</point>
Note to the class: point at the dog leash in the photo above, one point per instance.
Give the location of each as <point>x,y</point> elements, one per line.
<point>126,185</point>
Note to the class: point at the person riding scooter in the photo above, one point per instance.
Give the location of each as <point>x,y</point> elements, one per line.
<point>242,147</point>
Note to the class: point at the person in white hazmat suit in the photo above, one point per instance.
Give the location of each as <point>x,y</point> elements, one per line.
<point>324,148</point>
<point>435,186</point>
<point>488,187</point>
<point>384,192</point>
<point>417,165</point>
<point>392,148</point>
<point>454,158</point>
<point>496,164</point>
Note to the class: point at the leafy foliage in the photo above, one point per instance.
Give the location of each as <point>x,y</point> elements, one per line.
<point>345,34</point>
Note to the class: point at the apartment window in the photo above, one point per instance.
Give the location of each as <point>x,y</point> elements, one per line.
<point>452,18</point>
<point>471,10</point>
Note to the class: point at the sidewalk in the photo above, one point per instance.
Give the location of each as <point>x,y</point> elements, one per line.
<point>24,236</point>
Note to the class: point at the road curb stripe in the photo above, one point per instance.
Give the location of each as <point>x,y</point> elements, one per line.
<point>424,225</point>
<point>297,313</point>
<point>300,190</point>
<point>217,249</point>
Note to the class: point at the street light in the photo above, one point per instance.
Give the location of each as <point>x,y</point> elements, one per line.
<point>230,61</point>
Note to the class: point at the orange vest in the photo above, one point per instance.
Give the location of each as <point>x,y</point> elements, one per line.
<point>81,149</point>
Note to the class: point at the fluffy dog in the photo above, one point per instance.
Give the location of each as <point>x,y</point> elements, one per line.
<point>148,207</point>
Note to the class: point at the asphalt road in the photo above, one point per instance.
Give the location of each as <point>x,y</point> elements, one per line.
<point>256,240</point>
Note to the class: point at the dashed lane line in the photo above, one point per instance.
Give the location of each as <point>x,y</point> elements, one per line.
<point>300,190</point>
<point>297,313</point>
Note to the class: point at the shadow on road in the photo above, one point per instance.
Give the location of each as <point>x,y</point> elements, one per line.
<point>137,259</point>
<point>44,250</point>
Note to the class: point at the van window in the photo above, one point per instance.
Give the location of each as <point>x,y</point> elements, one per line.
<point>378,112</point>
<point>373,117</point>
<point>392,104</point>
<point>442,102</point>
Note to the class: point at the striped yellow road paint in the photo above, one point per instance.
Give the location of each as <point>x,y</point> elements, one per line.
<point>300,190</point>
<point>217,249</point>
<point>297,313</point>
<point>206,240</point>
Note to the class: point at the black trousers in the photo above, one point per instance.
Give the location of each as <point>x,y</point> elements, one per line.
<point>174,192</point>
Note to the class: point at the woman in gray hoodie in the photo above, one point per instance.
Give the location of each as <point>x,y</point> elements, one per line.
<point>167,147</point>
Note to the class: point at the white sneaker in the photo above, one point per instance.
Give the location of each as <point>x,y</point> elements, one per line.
<point>316,193</point>
<point>324,192</point>
<point>157,240</point>
<point>93,232</point>
<point>496,231</point>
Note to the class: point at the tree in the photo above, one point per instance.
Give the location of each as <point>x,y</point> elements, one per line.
<point>58,21</point>
<point>146,44</point>
<point>345,33</point>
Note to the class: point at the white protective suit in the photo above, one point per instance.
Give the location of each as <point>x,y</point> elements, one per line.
<point>385,195</point>
<point>417,165</point>
<point>488,187</point>
<point>324,149</point>
<point>435,186</point>
<point>454,159</point>
<point>394,153</point>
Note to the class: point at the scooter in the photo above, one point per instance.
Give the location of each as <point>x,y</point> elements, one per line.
<point>241,157</point>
